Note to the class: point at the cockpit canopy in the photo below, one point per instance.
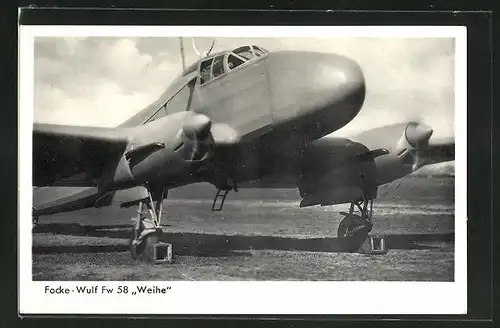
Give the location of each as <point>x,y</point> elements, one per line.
<point>218,64</point>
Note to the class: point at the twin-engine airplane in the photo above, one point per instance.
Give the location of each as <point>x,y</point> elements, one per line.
<point>233,119</point>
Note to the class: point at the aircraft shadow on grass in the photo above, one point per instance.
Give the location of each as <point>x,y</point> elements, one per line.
<point>201,244</point>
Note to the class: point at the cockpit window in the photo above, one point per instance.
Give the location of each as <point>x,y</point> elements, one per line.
<point>245,52</point>
<point>218,66</point>
<point>214,66</point>
<point>205,70</point>
<point>259,51</point>
<point>233,61</point>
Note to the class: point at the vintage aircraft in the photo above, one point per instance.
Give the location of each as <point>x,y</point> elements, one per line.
<point>237,118</point>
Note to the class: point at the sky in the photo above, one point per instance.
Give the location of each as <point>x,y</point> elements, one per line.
<point>101,81</point>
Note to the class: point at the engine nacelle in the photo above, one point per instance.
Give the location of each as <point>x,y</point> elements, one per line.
<point>405,156</point>
<point>336,171</point>
<point>165,151</point>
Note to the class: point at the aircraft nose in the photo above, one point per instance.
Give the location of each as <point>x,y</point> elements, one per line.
<point>329,88</point>
<point>342,79</point>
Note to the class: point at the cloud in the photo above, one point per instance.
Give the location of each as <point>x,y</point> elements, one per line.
<point>95,81</point>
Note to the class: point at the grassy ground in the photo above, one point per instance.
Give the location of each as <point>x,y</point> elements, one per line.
<point>400,265</point>
<point>269,250</point>
<point>258,239</point>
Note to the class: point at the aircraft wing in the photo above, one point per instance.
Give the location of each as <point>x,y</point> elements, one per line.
<point>74,155</point>
<point>440,150</point>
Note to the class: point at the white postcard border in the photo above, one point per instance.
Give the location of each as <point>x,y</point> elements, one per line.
<point>217,297</point>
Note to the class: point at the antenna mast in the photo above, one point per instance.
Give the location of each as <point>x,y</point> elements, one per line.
<point>183,56</point>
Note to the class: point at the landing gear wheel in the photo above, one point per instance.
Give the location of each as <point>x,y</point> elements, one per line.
<point>141,250</point>
<point>351,225</point>
<point>354,224</point>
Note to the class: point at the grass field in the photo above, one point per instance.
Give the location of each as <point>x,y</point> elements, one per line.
<point>260,235</point>
<point>399,265</point>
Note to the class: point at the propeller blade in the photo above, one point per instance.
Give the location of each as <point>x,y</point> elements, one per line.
<point>224,134</point>
<point>416,161</point>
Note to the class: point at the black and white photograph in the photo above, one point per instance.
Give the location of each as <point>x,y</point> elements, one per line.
<point>165,165</point>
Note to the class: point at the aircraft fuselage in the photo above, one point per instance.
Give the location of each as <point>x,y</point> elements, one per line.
<point>276,103</point>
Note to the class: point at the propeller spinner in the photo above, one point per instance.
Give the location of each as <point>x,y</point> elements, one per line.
<point>418,135</point>
<point>197,144</point>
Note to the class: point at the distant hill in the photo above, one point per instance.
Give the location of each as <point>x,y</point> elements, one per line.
<point>440,169</point>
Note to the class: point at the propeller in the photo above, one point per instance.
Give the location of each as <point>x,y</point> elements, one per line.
<point>199,136</point>
<point>196,126</point>
<point>197,141</point>
<point>418,135</point>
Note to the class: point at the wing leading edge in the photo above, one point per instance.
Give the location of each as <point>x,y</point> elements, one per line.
<point>74,155</point>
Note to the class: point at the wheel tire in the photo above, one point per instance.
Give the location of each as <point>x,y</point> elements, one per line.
<point>349,223</point>
<point>142,251</point>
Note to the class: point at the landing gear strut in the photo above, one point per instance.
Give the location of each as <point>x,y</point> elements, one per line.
<point>147,224</point>
<point>355,224</point>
